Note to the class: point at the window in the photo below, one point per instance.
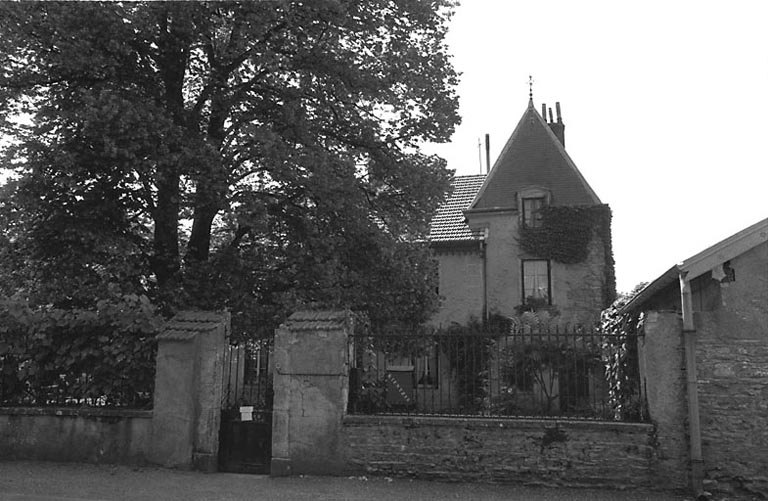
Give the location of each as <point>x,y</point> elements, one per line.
<point>531,212</point>
<point>423,367</point>
<point>426,368</point>
<point>536,282</point>
<point>530,201</point>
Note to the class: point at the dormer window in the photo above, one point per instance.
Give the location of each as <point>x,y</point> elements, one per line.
<point>531,212</point>
<point>530,203</point>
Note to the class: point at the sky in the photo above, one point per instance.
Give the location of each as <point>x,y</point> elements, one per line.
<point>664,105</point>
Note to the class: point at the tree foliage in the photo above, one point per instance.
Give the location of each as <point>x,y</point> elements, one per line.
<point>56,356</point>
<point>241,155</point>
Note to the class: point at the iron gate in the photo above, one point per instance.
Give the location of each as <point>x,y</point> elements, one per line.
<point>245,436</point>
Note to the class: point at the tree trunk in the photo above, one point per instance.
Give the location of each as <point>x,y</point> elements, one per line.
<point>198,247</point>
<point>173,43</point>
<point>211,186</point>
<point>166,238</point>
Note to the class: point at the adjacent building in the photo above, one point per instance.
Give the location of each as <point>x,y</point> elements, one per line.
<point>709,316</point>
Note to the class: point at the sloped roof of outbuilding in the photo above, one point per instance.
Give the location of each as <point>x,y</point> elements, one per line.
<point>533,157</point>
<point>449,223</point>
<point>704,261</point>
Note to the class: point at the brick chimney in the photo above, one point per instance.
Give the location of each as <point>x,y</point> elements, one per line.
<point>557,127</point>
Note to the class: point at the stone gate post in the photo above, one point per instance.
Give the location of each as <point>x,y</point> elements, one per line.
<point>311,385</point>
<point>188,391</point>
<point>663,377</point>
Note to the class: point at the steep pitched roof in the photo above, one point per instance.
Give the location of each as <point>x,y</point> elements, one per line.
<point>704,261</point>
<point>533,157</point>
<point>449,223</point>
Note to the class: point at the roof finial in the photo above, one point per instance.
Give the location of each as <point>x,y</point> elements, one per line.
<point>530,87</point>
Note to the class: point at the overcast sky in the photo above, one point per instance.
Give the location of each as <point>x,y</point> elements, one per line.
<point>664,104</point>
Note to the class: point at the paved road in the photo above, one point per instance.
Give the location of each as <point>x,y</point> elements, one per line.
<point>42,481</point>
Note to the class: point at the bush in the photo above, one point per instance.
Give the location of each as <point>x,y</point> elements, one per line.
<point>103,357</point>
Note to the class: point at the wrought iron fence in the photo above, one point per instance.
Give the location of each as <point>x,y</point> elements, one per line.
<point>520,372</point>
<point>74,388</point>
<point>46,370</point>
<point>56,357</point>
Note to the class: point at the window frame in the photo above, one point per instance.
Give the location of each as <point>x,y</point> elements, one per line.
<point>532,219</point>
<point>524,298</point>
<point>532,193</point>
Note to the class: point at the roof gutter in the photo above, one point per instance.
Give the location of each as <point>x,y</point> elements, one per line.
<point>692,386</point>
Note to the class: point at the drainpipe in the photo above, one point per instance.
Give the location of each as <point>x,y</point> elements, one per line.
<point>689,335</point>
<point>484,257</point>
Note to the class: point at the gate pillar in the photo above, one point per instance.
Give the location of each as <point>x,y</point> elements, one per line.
<point>311,387</point>
<point>188,391</point>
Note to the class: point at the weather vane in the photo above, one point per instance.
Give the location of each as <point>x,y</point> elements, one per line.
<point>530,87</point>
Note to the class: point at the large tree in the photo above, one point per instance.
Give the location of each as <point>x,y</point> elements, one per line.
<point>249,155</point>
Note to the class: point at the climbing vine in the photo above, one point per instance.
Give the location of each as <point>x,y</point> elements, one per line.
<point>564,236</point>
<point>620,354</point>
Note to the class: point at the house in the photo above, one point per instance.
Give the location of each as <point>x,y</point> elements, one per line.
<point>710,315</point>
<point>531,235</point>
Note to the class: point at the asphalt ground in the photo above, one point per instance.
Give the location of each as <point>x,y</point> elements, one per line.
<point>46,481</point>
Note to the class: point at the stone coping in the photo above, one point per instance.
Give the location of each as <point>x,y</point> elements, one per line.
<point>489,422</point>
<point>76,412</point>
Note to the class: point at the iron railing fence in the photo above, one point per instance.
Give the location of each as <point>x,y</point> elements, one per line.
<point>22,384</point>
<point>518,373</point>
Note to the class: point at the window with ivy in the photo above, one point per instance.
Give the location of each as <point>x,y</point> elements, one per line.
<point>536,282</point>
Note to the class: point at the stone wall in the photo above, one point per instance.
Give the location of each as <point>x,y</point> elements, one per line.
<point>181,431</point>
<point>529,451</point>
<point>312,433</point>
<point>733,408</point>
<point>72,434</point>
<point>732,363</point>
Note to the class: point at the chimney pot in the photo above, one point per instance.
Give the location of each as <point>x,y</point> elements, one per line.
<point>557,127</point>
<point>544,111</point>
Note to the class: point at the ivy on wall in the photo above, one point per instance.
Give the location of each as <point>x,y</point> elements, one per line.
<point>620,354</point>
<point>564,236</point>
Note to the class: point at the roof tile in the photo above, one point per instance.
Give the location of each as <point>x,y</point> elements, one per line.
<point>449,223</point>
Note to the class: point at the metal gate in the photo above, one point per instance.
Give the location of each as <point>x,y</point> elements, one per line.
<point>245,436</point>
